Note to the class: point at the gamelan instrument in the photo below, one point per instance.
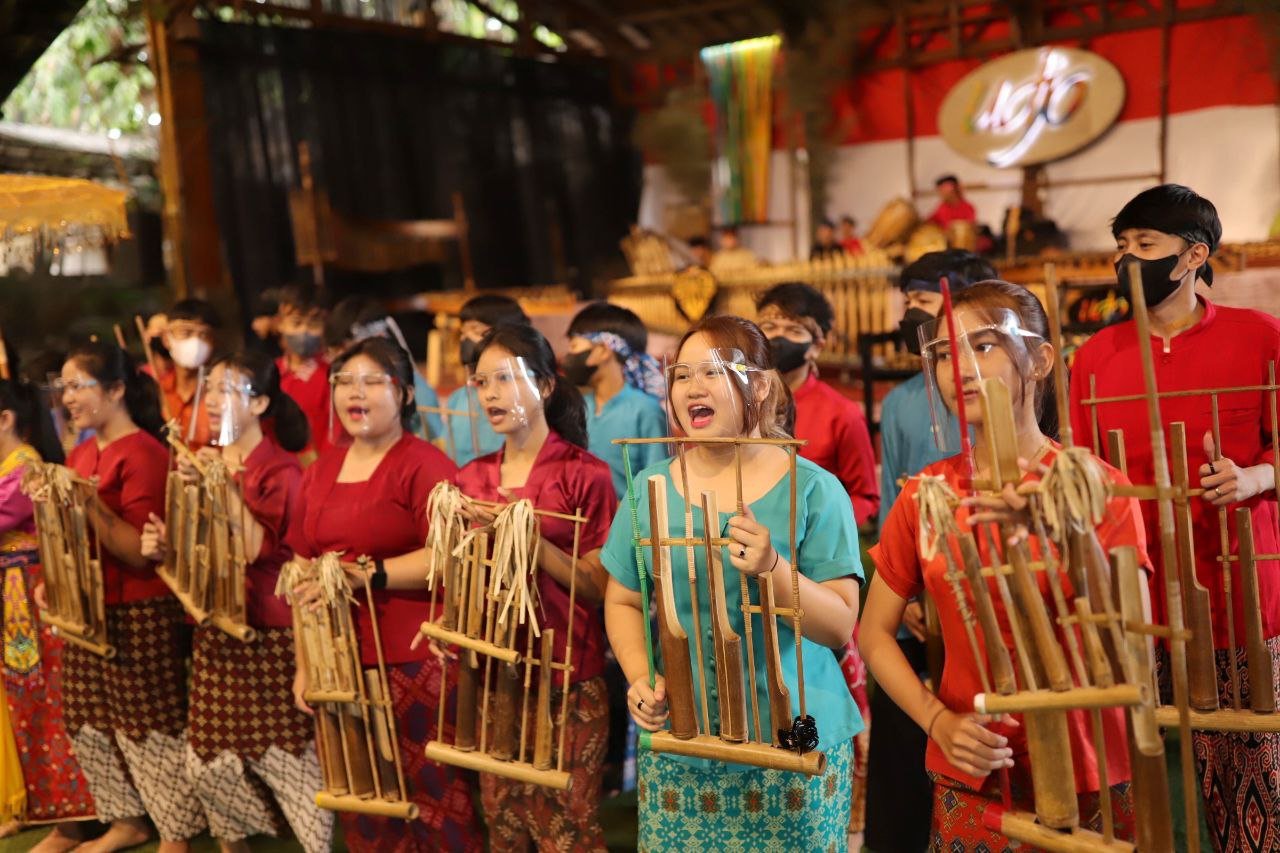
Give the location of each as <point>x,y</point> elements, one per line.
<point>512,707</point>
<point>70,555</point>
<point>738,732</point>
<point>205,557</point>
<point>355,720</point>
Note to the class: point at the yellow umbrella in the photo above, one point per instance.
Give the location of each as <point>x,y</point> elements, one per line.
<point>52,206</point>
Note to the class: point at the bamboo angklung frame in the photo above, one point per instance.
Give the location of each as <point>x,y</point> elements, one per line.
<point>450,448</point>
<point>61,501</point>
<point>476,590</point>
<point>205,559</point>
<point>740,739</point>
<point>356,735</point>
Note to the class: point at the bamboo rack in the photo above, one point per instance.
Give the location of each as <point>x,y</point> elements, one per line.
<point>737,732</point>
<point>70,556</point>
<point>483,584</point>
<point>205,558</point>
<point>356,734</point>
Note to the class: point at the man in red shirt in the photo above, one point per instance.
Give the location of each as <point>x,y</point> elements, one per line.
<point>1170,232</point>
<point>304,372</point>
<point>952,206</point>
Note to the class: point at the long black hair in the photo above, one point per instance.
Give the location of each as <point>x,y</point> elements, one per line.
<point>282,417</point>
<point>31,420</point>
<point>112,366</point>
<point>392,358</point>
<point>564,408</point>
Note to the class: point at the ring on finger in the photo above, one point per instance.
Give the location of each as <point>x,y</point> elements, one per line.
<point>742,552</point>
<point>639,704</point>
<point>1217,490</point>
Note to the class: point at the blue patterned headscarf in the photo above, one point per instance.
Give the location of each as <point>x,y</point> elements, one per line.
<point>639,369</point>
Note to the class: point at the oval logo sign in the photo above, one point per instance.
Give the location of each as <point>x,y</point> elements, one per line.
<point>1031,106</point>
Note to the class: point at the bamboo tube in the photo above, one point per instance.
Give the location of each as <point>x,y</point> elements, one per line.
<point>503,746</point>
<point>542,712</point>
<point>1222,720</point>
<point>386,709</point>
<point>709,524</point>
<point>1262,699</point>
<point>384,749</point>
<point>997,654</point>
<point>443,635</point>
<point>75,634</point>
<point>1021,826</point>
<point>1119,695</point>
<point>727,643</point>
<point>1224,551</point>
<point>1173,580</point>
<point>1093,416</point>
<point>518,771</point>
<point>671,636</point>
<point>754,754</point>
<point>402,810</point>
<point>153,364</point>
<point>568,648</point>
<point>1116,450</point>
<point>1202,669</point>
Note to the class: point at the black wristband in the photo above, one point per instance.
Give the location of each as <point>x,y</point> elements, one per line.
<point>379,578</point>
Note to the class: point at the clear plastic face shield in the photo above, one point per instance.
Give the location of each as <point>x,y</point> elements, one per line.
<point>506,391</point>
<point>76,399</point>
<point>364,400</point>
<point>228,400</point>
<point>990,343</point>
<point>712,394</point>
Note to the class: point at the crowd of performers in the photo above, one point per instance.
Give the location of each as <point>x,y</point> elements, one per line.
<point>183,732</point>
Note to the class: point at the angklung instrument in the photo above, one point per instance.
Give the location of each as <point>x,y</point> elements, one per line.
<point>356,738</point>
<point>735,733</point>
<point>205,558</point>
<point>484,583</point>
<point>70,555</point>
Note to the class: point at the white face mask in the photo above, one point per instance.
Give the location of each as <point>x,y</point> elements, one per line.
<point>190,353</point>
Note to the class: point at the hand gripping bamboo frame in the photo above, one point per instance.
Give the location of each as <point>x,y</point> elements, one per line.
<point>792,743</point>
<point>506,722</point>
<point>355,718</point>
<point>205,557</point>
<point>72,566</point>
<point>1090,656</point>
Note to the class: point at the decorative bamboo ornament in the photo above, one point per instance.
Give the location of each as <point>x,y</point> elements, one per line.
<point>356,735</point>
<point>736,734</point>
<point>70,555</point>
<point>483,582</point>
<point>205,559</point>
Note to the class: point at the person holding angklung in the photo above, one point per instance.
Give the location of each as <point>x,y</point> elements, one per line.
<point>724,386</point>
<point>1170,232</point>
<point>541,418</point>
<point>1001,333</point>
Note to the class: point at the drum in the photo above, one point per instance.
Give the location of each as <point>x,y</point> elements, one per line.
<point>962,234</point>
<point>893,224</point>
<point>926,238</point>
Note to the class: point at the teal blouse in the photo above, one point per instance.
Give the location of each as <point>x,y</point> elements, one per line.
<point>827,542</point>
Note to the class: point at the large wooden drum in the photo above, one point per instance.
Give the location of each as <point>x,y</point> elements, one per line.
<point>893,224</point>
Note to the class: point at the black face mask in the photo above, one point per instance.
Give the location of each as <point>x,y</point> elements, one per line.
<point>575,368</point>
<point>909,328</point>
<point>1156,284</point>
<point>467,351</point>
<point>788,355</point>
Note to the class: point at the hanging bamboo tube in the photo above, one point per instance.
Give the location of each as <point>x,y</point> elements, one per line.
<point>671,636</point>
<point>728,645</point>
<point>1262,699</point>
<point>708,523</point>
<point>1224,553</point>
<point>1202,669</point>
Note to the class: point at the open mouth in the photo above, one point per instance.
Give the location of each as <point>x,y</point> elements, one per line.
<point>700,416</point>
<point>357,413</point>
<point>495,415</point>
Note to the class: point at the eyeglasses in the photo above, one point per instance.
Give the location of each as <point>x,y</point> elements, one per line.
<point>347,379</point>
<point>59,386</point>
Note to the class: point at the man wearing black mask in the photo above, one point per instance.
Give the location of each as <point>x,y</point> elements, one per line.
<point>1170,232</point>
<point>797,319</point>
<point>899,793</point>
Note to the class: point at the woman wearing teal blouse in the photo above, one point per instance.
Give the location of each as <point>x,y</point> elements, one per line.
<point>724,385</point>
